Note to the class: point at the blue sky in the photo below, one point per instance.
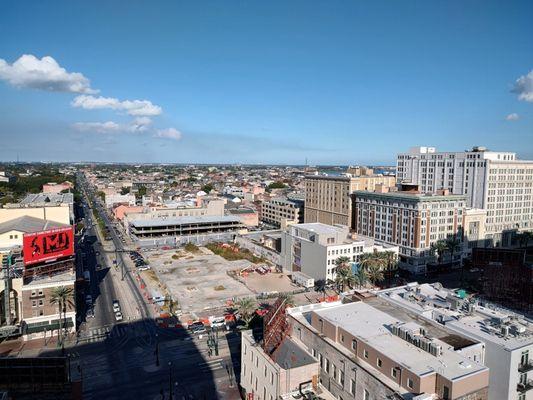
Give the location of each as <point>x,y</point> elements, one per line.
<point>263,82</point>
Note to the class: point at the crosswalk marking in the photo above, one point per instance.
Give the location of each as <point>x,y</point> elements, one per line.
<point>100,334</point>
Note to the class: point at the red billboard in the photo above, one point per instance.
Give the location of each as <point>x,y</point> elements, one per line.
<point>48,245</point>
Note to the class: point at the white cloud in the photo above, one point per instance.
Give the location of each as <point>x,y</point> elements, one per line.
<point>44,74</point>
<point>132,107</point>
<point>169,133</point>
<point>139,124</point>
<point>512,117</point>
<point>98,127</point>
<point>524,87</point>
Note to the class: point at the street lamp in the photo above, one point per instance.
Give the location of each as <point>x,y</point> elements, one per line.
<point>157,349</point>
<point>170,379</point>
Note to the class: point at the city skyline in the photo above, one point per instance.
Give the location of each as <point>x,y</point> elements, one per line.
<point>263,84</point>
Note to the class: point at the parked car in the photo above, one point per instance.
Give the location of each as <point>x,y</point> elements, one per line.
<point>118,316</point>
<point>89,299</point>
<point>116,306</point>
<point>90,313</point>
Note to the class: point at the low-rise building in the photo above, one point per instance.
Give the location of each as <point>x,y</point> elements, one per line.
<point>367,353</point>
<point>248,216</point>
<point>507,336</point>
<point>313,248</point>
<point>48,206</point>
<point>112,199</point>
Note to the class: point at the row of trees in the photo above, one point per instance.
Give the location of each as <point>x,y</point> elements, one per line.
<point>451,245</point>
<point>373,267</point>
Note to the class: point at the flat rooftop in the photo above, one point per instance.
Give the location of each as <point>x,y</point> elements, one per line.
<point>374,328</point>
<point>47,198</point>
<point>322,229</point>
<point>480,322</point>
<point>410,196</point>
<point>29,224</point>
<point>144,223</point>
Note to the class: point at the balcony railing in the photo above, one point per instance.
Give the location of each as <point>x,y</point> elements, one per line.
<point>528,366</point>
<point>525,386</point>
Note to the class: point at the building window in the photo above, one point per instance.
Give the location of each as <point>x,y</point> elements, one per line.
<point>522,396</point>
<point>410,383</point>
<point>524,358</point>
<point>379,362</point>
<point>34,303</point>
<point>327,366</point>
<point>365,353</point>
<point>342,338</point>
<point>341,378</point>
<point>354,344</point>
<point>366,395</point>
<point>394,372</point>
<point>352,387</point>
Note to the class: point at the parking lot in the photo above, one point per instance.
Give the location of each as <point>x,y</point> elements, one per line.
<point>198,281</point>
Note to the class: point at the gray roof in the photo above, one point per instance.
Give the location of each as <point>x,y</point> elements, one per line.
<point>290,355</point>
<point>28,224</point>
<point>48,198</point>
<point>183,220</point>
<point>409,197</point>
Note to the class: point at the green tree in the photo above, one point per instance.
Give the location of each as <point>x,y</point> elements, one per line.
<point>141,191</point>
<point>453,245</point>
<point>101,195</point>
<point>62,296</point>
<point>276,185</point>
<point>124,190</point>
<point>342,262</point>
<point>375,274</point>
<point>391,263</point>
<point>207,187</point>
<point>360,277</point>
<point>344,278</point>
<point>246,308</point>
<point>438,249</point>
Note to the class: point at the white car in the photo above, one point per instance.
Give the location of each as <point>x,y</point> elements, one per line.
<point>116,307</point>
<point>118,316</point>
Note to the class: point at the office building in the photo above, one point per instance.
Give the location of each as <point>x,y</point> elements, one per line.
<point>48,206</point>
<point>410,220</point>
<point>313,248</point>
<point>506,336</point>
<point>327,198</point>
<point>498,182</point>
<point>281,212</point>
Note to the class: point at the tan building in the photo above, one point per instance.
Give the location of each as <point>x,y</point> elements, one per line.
<point>56,213</point>
<point>282,212</point>
<point>327,198</point>
<point>411,220</point>
<point>373,352</point>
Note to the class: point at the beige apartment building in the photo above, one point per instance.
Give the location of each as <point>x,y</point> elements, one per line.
<point>411,220</point>
<point>282,212</point>
<point>495,181</point>
<point>327,198</point>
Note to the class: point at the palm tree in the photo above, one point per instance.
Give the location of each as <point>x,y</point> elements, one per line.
<point>453,245</point>
<point>367,260</point>
<point>344,277</point>
<point>439,248</point>
<point>62,296</point>
<point>342,262</point>
<point>391,262</point>
<point>361,277</point>
<point>246,307</point>
<point>375,274</point>
<point>320,286</point>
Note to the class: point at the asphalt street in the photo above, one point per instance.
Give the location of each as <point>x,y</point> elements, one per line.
<point>133,358</point>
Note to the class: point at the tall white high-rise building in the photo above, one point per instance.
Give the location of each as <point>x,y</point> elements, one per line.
<point>495,181</point>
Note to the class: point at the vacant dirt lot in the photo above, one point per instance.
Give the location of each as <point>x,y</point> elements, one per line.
<point>198,281</point>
